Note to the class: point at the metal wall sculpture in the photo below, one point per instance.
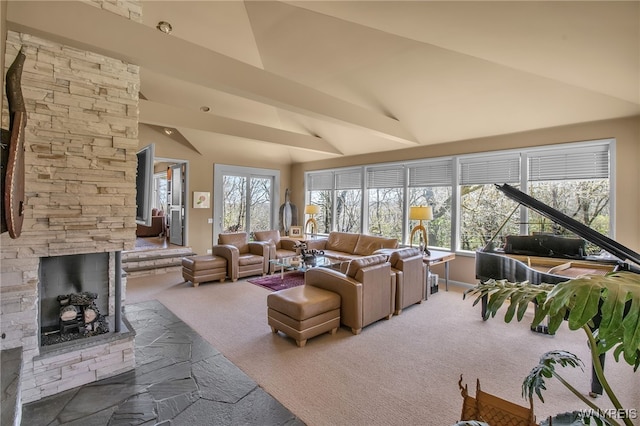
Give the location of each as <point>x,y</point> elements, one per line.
<point>13,173</point>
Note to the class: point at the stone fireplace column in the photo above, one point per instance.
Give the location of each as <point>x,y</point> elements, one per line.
<point>81,141</point>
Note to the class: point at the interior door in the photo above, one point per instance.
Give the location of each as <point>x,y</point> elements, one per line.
<point>176,176</point>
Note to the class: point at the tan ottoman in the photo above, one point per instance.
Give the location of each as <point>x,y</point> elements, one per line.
<point>201,269</point>
<point>303,312</point>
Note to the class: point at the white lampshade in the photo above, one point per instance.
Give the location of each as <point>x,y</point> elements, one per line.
<point>311,209</point>
<point>420,213</point>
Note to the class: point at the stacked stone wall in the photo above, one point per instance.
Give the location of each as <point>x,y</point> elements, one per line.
<point>81,141</point>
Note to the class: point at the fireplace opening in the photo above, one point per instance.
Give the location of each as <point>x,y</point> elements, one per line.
<point>74,297</point>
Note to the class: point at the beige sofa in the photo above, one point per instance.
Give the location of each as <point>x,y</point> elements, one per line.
<point>366,286</point>
<point>347,246</point>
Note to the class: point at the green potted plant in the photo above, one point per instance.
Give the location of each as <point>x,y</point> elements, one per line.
<point>606,308</point>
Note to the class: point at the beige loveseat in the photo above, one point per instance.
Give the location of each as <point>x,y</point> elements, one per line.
<point>347,246</point>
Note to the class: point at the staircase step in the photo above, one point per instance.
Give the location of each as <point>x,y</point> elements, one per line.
<point>155,261</point>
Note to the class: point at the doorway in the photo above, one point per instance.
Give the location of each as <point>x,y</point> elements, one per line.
<point>169,197</point>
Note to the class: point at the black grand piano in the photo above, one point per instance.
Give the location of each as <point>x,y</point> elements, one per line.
<point>548,258</point>
<point>552,259</point>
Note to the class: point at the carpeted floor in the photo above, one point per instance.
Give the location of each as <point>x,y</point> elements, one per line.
<point>402,371</point>
<point>275,283</point>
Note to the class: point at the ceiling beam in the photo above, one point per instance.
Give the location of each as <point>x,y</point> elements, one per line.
<point>87,27</point>
<point>169,116</point>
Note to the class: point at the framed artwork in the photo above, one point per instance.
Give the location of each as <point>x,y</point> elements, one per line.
<point>295,232</point>
<point>201,200</point>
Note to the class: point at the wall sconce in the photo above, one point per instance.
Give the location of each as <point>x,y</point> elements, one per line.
<point>311,209</point>
<point>420,213</point>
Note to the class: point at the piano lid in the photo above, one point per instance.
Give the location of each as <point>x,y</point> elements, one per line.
<point>623,253</point>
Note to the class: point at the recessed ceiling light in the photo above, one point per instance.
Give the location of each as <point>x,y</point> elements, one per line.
<point>168,131</point>
<point>165,27</point>
<point>205,109</point>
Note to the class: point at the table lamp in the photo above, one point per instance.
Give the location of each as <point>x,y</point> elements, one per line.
<point>311,209</point>
<point>420,213</point>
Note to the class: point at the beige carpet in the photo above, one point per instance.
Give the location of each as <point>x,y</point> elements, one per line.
<point>403,371</point>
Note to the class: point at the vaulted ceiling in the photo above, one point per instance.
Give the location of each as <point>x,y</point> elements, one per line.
<point>302,81</point>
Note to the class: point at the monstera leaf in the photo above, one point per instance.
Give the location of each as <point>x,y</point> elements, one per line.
<point>519,296</point>
<point>534,383</point>
<point>614,297</point>
<point>606,308</point>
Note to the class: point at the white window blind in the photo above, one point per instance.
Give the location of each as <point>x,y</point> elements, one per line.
<point>349,179</point>
<point>385,177</point>
<point>591,162</point>
<point>320,181</point>
<point>432,173</point>
<point>490,169</point>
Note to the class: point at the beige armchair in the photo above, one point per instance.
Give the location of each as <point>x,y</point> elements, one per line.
<point>244,258</point>
<point>367,289</point>
<point>411,274</point>
<point>278,247</point>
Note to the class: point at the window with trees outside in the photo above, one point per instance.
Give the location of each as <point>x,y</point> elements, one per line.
<point>385,187</point>
<point>247,203</point>
<point>575,182</point>
<point>468,210</point>
<point>244,199</point>
<point>430,185</point>
<point>342,189</point>
<point>483,209</point>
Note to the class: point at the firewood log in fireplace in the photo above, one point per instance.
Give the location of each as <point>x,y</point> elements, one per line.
<point>84,299</point>
<point>68,313</point>
<point>91,314</point>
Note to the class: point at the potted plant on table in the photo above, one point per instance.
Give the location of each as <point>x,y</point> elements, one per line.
<point>606,308</point>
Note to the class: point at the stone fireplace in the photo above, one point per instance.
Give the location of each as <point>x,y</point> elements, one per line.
<point>81,140</point>
<point>63,279</point>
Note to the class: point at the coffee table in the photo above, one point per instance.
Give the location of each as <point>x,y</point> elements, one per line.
<point>295,263</point>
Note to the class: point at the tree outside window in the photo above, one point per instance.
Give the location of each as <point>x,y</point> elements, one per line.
<point>483,209</point>
<point>322,199</point>
<point>571,178</point>
<point>240,212</point>
<point>439,198</point>
<point>348,210</point>
<point>385,212</point>
<point>586,201</point>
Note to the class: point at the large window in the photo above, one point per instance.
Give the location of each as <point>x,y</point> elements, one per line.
<point>341,189</point>
<point>469,212</point>
<point>575,182</point>
<point>430,185</point>
<point>385,187</point>
<point>320,189</point>
<point>348,200</point>
<point>244,199</point>
<point>247,203</point>
<point>483,209</point>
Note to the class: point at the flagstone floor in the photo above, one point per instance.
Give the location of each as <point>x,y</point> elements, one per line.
<point>179,379</point>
